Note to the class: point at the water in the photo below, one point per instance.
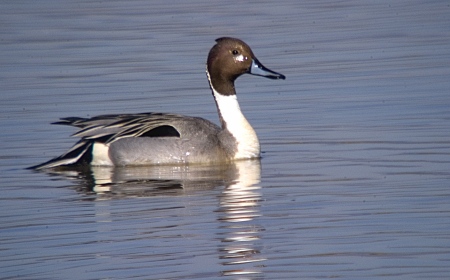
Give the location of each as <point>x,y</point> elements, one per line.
<point>354,182</point>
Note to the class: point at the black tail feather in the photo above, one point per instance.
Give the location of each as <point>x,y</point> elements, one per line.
<point>79,154</point>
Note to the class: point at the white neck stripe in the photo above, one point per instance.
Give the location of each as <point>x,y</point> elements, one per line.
<point>236,123</point>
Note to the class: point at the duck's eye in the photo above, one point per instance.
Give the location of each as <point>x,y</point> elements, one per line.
<point>235,52</point>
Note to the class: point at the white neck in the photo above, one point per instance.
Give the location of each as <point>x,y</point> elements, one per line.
<point>237,125</point>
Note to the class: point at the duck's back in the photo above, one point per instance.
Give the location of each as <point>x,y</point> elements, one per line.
<point>197,141</point>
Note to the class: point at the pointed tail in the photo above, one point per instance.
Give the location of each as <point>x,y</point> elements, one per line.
<point>80,153</point>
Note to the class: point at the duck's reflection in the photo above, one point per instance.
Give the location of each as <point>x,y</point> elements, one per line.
<point>239,208</point>
<point>119,182</point>
<point>237,213</point>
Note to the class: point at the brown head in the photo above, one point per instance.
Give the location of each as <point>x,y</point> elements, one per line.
<point>229,59</point>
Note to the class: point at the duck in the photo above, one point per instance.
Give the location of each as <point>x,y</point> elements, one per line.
<point>173,139</point>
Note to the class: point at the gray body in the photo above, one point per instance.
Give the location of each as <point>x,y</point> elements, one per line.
<point>200,141</point>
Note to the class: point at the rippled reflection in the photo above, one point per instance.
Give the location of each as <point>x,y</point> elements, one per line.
<point>118,182</point>
<point>239,243</point>
<point>239,208</point>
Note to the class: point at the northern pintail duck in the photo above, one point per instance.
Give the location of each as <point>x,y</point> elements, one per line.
<point>159,138</point>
